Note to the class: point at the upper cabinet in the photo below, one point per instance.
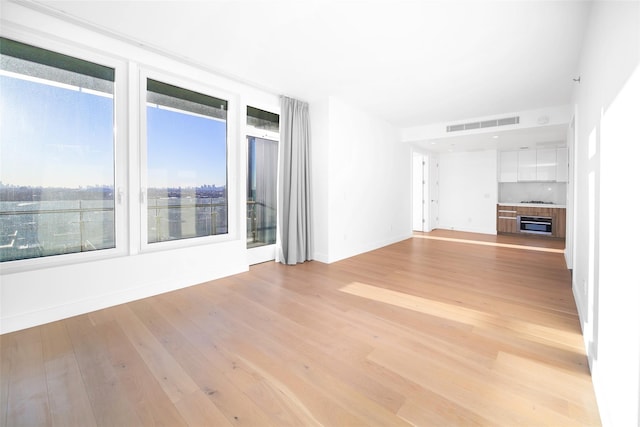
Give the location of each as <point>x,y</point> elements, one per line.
<point>527,165</point>
<point>508,170</point>
<point>545,164</point>
<point>562,167</point>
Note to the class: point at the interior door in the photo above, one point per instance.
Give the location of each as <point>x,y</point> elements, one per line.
<point>433,193</point>
<point>420,187</point>
<point>418,191</point>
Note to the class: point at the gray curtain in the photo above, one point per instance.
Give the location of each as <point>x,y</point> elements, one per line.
<point>294,210</point>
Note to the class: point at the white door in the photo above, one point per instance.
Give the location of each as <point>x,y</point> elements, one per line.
<point>433,193</point>
<point>420,192</point>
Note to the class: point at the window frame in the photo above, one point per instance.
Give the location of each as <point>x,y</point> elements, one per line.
<point>146,73</point>
<point>264,253</point>
<point>257,132</point>
<point>262,133</point>
<point>120,157</point>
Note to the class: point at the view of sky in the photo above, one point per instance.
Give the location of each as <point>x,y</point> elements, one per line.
<point>52,136</point>
<point>185,150</point>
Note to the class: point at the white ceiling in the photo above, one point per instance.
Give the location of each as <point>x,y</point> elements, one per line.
<point>409,62</point>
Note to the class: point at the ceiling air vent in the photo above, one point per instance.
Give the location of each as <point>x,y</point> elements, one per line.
<point>484,124</point>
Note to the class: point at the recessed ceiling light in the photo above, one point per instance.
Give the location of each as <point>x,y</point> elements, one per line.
<point>496,136</point>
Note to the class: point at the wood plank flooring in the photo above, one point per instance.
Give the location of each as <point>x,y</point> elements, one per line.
<point>443,329</point>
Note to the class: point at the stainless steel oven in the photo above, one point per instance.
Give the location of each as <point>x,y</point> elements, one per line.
<point>535,224</point>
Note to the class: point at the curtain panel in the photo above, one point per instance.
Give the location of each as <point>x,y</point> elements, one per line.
<point>294,211</point>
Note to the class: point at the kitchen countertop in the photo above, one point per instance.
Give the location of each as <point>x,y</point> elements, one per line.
<point>532,205</point>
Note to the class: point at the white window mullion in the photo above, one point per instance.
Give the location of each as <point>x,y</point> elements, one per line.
<point>135,160</point>
<point>121,157</point>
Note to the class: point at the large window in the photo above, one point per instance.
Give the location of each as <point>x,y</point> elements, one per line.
<point>66,164</point>
<point>57,174</point>
<point>186,155</point>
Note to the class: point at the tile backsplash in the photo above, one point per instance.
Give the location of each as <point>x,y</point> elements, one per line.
<point>516,192</point>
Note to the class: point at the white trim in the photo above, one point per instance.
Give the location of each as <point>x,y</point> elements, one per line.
<point>261,254</point>
<point>262,133</point>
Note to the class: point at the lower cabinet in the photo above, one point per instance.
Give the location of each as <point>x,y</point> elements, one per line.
<point>507,218</point>
<point>560,223</point>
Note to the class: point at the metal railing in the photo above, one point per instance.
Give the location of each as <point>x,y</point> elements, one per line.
<point>162,213</point>
<point>31,233</point>
<point>256,227</point>
<point>34,236</point>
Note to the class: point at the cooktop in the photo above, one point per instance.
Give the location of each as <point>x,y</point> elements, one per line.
<point>537,202</point>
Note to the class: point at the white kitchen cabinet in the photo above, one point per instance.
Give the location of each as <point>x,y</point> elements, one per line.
<point>562,166</point>
<point>546,164</point>
<point>527,165</point>
<point>508,171</point>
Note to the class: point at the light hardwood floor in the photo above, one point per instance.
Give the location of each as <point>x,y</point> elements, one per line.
<point>442,329</point>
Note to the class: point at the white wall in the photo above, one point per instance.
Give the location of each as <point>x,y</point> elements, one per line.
<point>38,295</point>
<point>361,180</point>
<point>606,282</point>
<point>468,191</point>
<point>320,172</point>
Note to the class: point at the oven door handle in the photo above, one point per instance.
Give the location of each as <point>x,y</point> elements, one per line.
<point>535,222</point>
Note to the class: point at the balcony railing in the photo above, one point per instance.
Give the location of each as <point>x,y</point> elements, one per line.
<point>46,228</point>
<point>261,224</point>
<point>182,218</point>
<point>37,229</point>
